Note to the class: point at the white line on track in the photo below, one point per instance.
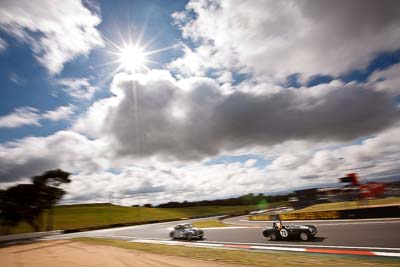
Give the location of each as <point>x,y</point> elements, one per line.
<point>228,245</point>
<point>265,244</point>
<point>292,245</point>
<point>244,243</point>
<point>279,248</point>
<point>387,254</point>
<point>231,227</point>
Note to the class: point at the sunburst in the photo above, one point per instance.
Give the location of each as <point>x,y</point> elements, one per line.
<point>132,57</point>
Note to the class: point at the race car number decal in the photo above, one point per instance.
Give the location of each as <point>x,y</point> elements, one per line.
<point>283,233</point>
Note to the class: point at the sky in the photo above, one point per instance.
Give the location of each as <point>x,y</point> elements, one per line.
<point>158,101</point>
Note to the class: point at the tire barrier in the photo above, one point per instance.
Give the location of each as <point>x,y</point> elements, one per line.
<point>363,213</point>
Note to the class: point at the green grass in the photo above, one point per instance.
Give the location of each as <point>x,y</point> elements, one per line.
<point>209,223</point>
<point>249,258</point>
<point>352,204</point>
<point>79,216</point>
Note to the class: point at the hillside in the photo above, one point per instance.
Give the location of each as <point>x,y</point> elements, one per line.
<point>91,215</point>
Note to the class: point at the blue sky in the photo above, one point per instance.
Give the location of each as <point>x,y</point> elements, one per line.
<point>257,95</point>
<point>25,83</point>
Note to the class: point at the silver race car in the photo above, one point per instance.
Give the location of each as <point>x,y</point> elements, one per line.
<point>186,231</point>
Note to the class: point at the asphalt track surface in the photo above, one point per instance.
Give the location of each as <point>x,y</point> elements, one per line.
<point>382,234</point>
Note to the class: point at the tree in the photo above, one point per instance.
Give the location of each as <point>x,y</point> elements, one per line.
<point>9,216</point>
<point>28,201</point>
<point>21,202</point>
<point>49,192</point>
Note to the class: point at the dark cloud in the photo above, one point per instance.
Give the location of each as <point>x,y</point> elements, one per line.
<point>350,18</point>
<point>11,171</point>
<point>210,122</point>
<point>193,119</point>
<point>344,113</point>
<point>309,177</point>
<point>149,125</point>
<point>145,188</point>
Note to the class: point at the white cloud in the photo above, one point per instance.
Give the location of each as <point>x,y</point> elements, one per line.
<point>197,61</point>
<point>279,38</point>
<point>24,116</point>
<point>153,181</point>
<point>149,180</point>
<point>57,31</point>
<point>250,162</point>
<point>375,157</point>
<point>32,155</point>
<point>156,182</point>
<point>60,113</point>
<point>78,88</point>
<point>20,117</point>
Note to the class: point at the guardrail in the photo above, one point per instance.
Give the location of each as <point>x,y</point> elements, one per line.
<point>99,227</point>
<point>8,238</point>
<point>233,215</point>
<point>361,213</point>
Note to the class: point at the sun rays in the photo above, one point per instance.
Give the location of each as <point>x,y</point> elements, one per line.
<point>130,56</point>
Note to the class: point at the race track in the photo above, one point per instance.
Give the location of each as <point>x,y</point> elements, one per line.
<point>379,235</point>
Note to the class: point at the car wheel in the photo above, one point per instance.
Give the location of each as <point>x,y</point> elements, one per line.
<point>304,236</point>
<point>189,237</point>
<point>201,237</point>
<point>272,237</point>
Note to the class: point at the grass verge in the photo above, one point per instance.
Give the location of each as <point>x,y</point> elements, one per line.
<point>80,216</point>
<point>209,223</point>
<point>251,258</point>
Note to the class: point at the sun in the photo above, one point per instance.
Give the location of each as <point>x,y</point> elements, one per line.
<point>132,58</point>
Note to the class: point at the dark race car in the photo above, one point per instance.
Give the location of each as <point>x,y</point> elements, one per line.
<point>186,231</point>
<point>285,232</point>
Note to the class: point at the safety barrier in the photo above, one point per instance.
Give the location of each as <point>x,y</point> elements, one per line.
<point>106,226</point>
<point>363,213</point>
<point>90,228</point>
<point>8,238</point>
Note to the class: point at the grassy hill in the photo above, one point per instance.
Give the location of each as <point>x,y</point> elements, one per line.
<point>90,215</point>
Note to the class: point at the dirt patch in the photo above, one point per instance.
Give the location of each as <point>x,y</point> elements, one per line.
<point>70,253</point>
